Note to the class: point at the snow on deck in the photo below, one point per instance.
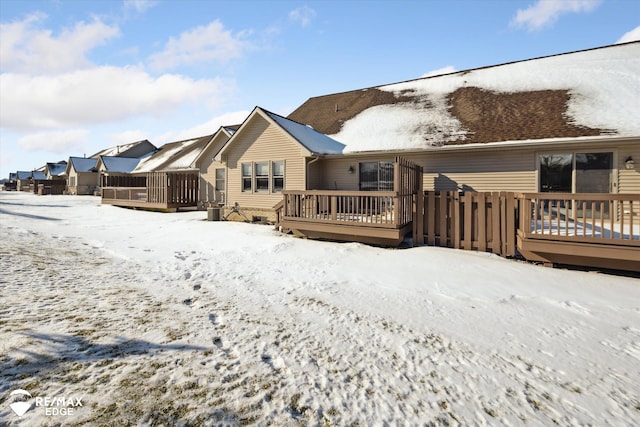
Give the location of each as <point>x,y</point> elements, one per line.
<point>156,318</point>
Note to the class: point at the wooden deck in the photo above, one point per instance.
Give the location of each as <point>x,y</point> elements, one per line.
<point>376,217</point>
<point>598,230</point>
<point>167,191</point>
<point>590,230</point>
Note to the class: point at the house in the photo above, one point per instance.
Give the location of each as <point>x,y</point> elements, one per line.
<point>166,180</point>
<point>82,174</point>
<point>566,122</point>
<point>23,179</point>
<point>563,123</point>
<point>10,184</point>
<point>546,124</point>
<point>82,179</point>
<point>116,171</point>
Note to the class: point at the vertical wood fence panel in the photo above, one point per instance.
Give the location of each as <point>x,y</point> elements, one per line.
<point>471,221</point>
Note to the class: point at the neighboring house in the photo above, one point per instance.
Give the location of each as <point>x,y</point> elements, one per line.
<point>174,156</point>
<point>560,123</point>
<point>25,179</point>
<point>167,179</point>
<point>82,178</point>
<point>266,155</point>
<point>116,171</point>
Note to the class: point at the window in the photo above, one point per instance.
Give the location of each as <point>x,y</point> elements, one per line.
<point>555,173</point>
<point>220,184</point>
<point>72,181</point>
<point>262,176</point>
<point>576,172</point>
<point>246,177</point>
<point>277,176</point>
<point>376,176</point>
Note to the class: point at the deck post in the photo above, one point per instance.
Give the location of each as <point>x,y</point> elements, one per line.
<point>418,219</point>
<point>334,208</point>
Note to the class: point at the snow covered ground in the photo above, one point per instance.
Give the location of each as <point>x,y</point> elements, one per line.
<point>166,319</point>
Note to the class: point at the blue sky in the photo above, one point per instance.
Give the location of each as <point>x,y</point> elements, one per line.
<point>79,76</point>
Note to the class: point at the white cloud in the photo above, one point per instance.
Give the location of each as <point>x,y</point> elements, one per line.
<point>99,95</point>
<point>630,36</point>
<point>139,6</point>
<point>201,45</point>
<point>546,12</point>
<point>127,137</point>
<point>206,128</point>
<point>444,70</point>
<point>59,142</point>
<point>28,48</point>
<point>302,15</point>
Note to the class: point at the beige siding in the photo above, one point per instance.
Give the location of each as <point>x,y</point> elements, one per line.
<point>208,191</point>
<point>261,141</point>
<point>86,182</point>
<point>447,171</point>
<point>486,171</point>
<point>629,180</point>
<point>208,166</point>
<point>314,175</point>
<point>511,169</point>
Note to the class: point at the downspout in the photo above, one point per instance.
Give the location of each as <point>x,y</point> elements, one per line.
<point>315,159</point>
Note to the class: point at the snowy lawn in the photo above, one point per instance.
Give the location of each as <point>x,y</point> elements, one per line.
<point>167,319</point>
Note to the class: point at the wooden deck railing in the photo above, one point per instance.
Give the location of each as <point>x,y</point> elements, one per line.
<point>138,194</point>
<point>384,209</point>
<point>163,190</point>
<point>604,218</point>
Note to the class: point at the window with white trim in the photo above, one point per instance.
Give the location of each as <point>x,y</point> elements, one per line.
<point>247,178</point>
<point>277,176</point>
<point>261,176</point>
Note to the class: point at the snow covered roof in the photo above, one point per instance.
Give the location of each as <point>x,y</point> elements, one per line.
<point>35,174</point>
<point>82,164</point>
<point>38,175</point>
<point>23,174</point>
<point>57,169</point>
<point>586,93</point>
<point>173,155</point>
<point>133,149</point>
<point>314,141</point>
<point>119,164</point>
